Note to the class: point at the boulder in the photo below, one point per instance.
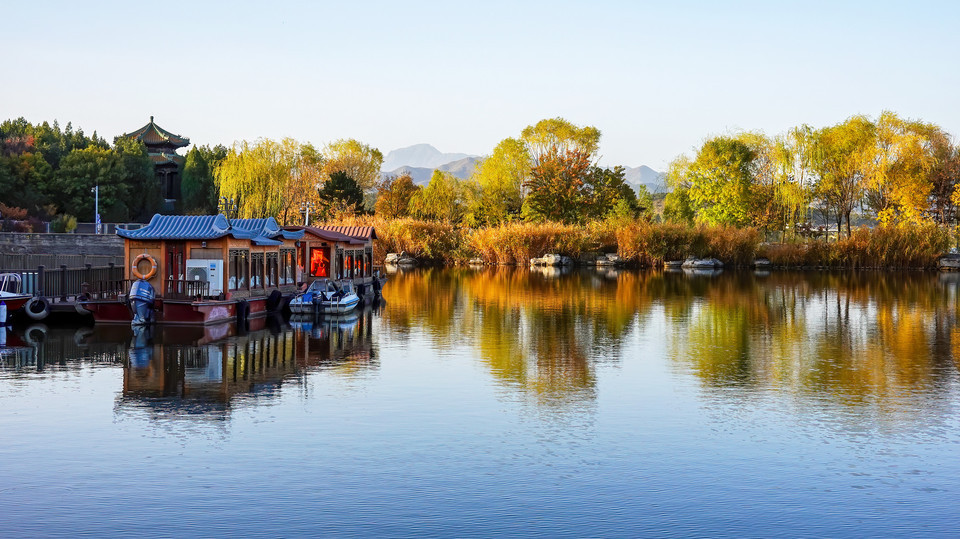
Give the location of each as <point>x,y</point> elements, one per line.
<point>610,259</point>
<point>950,262</point>
<point>399,259</point>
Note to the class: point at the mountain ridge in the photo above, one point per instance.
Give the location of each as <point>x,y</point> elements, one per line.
<point>420,160</point>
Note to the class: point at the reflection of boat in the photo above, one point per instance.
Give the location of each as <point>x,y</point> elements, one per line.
<point>701,272</point>
<point>10,287</point>
<point>326,296</point>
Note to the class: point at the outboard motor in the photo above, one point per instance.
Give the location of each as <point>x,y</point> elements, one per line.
<point>141,301</point>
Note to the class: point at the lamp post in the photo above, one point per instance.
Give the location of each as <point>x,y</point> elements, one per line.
<point>227,206</point>
<point>306,207</point>
<point>96,205</point>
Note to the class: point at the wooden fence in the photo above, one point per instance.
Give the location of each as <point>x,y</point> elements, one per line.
<point>61,283</point>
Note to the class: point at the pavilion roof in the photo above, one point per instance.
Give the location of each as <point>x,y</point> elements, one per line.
<point>153,134</point>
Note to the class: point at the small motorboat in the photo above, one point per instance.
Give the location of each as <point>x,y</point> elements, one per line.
<point>10,291</point>
<point>325,296</point>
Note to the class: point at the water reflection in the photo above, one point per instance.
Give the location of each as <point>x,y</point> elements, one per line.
<point>859,337</point>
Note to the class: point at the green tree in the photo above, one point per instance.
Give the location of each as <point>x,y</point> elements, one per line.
<point>720,179</point>
<point>198,185</point>
<point>128,189</point>
<point>608,189</point>
<point>341,194</point>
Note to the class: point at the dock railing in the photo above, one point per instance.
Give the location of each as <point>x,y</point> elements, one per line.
<point>64,284</point>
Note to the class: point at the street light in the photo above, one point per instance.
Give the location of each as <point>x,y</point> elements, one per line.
<point>227,207</point>
<point>306,207</point>
<point>96,205</point>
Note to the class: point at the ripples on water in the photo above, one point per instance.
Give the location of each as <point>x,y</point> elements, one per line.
<point>504,402</point>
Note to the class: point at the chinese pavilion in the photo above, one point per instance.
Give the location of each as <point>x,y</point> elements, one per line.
<point>162,146</point>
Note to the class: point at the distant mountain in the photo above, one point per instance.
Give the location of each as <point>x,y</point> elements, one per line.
<point>419,156</point>
<point>644,175</point>
<point>420,175</point>
<point>461,168</point>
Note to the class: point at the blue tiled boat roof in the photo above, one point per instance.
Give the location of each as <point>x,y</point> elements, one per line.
<point>195,227</point>
<point>268,227</point>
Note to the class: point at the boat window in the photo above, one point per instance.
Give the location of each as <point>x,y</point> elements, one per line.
<point>239,268</point>
<point>319,262</point>
<point>287,264</point>
<point>256,270</point>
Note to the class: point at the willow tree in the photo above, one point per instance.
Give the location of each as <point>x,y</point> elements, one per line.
<point>268,178</point>
<point>841,157</point>
<point>358,160</point>
<point>445,198</point>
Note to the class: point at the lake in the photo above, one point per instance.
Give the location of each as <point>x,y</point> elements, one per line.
<point>504,402</point>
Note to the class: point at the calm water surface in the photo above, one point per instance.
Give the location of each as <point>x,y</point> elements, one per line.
<point>505,403</point>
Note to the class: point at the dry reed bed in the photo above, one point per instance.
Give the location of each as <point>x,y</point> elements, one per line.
<point>652,244</point>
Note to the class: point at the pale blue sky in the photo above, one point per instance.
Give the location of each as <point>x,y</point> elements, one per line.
<point>655,77</point>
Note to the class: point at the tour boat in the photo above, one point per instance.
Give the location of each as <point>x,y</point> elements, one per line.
<point>326,296</point>
<point>199,270</point>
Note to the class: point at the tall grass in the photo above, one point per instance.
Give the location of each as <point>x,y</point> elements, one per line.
<point>517,243</point>
<point>428,241</point>
<point>652,244</point>
<point>914,246</point>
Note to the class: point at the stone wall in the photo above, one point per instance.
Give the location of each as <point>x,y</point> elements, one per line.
<point>28,250</point>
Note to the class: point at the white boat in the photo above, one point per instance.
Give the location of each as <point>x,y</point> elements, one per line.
<point>326,296</point>
<point>10,291</point>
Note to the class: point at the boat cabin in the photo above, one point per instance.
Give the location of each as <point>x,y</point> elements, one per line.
<point>326,252</point>
<point>211,257</point>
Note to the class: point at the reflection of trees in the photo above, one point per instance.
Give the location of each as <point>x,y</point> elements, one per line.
<point>540,332</point>
<point>855,335</point>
